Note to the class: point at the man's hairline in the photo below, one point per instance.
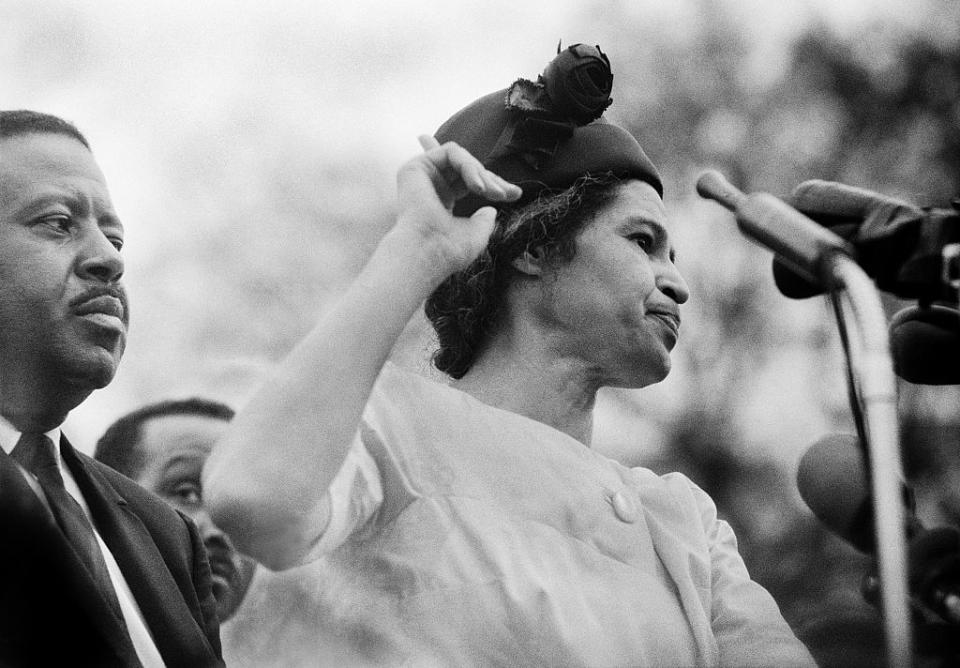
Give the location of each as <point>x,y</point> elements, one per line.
<point>43,132</point>
<point>141,426</point>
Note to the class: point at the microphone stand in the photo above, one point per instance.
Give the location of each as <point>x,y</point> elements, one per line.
<point>878,397</point>
<point>821,255</point>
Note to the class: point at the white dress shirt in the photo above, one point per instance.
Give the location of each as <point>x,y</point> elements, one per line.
<point>143,641</point>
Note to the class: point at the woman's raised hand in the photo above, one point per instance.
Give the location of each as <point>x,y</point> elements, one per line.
<point>429,184</point>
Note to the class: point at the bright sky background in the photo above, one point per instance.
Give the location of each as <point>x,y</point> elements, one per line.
<point>351,79</point>
<point>358,77</point>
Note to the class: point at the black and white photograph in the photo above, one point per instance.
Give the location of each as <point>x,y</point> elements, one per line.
<point>601,333</point>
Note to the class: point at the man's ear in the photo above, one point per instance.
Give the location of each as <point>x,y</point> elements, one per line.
<point>531,262</point>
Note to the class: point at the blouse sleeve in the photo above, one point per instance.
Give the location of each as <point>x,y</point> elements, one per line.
<point>354,496</point>
<point>746,621</point>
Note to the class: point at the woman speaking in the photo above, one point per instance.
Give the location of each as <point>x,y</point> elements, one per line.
<point>477,509</point>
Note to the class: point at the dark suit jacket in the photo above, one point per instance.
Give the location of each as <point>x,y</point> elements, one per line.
<point>51,613</point>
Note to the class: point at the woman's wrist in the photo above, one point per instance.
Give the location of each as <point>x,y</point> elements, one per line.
<point>416,258</point>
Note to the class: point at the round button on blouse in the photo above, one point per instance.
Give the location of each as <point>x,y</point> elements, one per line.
<point>624,507</point>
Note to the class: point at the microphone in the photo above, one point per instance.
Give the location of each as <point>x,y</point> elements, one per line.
<point>843,210</point>
<point>925,345</point>
<point>802,245</point>
<point>832,481</point>
<point>898,245</point>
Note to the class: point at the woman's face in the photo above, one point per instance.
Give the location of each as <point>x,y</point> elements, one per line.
<point>615,304</point>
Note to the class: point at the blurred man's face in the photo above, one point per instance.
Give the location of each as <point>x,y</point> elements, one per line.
<point>63,310</point>
<point>175,448</point>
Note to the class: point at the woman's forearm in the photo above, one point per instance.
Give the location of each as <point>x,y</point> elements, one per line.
<point>265,479</point>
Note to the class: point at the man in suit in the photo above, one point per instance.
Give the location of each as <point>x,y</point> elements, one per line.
<point>94,570</point>
<point>295,619</point>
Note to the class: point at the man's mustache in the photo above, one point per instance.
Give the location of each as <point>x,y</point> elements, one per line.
<point>97,291</point>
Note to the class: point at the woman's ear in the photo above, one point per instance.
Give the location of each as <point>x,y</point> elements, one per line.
<point>531,262</point>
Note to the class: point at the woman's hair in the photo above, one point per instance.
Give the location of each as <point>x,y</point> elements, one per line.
<point>465,308</point>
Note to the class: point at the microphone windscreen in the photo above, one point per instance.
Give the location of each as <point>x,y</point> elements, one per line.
<point>925,344</point>
<point>833,483</point>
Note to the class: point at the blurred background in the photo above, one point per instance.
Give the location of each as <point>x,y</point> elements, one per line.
<point>251,150</point>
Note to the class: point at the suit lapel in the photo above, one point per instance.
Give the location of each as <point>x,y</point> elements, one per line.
<point>79,586</point>
<point>161,601</point>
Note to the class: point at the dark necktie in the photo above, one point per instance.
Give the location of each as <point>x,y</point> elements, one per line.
<point>35,452</point>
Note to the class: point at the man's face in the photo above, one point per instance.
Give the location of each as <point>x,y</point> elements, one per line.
<point>63,310</point>
<point>175,448</point>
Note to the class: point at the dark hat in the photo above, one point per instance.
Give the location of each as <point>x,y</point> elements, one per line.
<point>546,134</point>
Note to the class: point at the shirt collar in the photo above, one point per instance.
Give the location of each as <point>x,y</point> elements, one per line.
<point>9,435</point>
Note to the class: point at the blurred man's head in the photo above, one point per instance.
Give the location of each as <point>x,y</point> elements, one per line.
<point>163,447</point>
<point>63,309</point>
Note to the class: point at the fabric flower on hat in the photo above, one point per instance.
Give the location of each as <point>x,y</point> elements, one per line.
<point>573,90</point>
<point>578,82</point>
